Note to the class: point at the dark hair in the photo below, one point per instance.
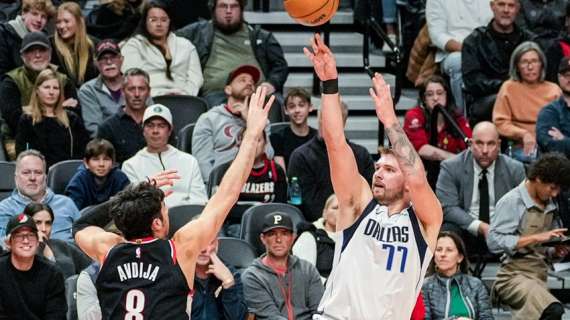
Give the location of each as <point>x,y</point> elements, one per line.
<point>551,167</point>
<point>464,265</point>
<point>34,207</point>
<point>213,3</point>
<point>297,92</point>
<point>135,208</point>
<point>97,147</point>
<point>449,107</point>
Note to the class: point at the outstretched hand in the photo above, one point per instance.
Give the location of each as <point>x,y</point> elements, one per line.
<point>258,110</point>
<point>165,178</point>
<point>382,98</point>
<point>322,59</point>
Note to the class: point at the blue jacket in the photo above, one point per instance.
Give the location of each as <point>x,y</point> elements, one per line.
<point>85,192</point>
<point>557,115</point>
<point>229,305</point>
<point>63,208</point>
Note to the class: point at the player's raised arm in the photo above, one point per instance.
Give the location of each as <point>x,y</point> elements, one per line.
<point>351,189</point>
<point>425,203</point>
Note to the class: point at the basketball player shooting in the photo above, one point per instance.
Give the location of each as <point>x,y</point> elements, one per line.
<point>387,235</point>
<point>142,275</point>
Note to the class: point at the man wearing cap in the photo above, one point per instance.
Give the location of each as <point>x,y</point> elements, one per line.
<point>279,285</point>
<point>31,287</point>
<point>215,139</point>
<point>158,156</point>
<point>102,97</point>
<point>16,87</point>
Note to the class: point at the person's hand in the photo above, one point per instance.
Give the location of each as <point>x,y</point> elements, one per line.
<point>258,110</point>
<point>70,103</point>
<point>548,235</point>
<point>529,143</point>
<point>382,98</point>
<point>269,86</point>
<point>484,229</point>
<point>555,134</point>
<point>165,178</point>
<point>322,59</point>
<point>561,250</point>
<point>220,271</point>
<point>241,108</point>
<point>42,237</point>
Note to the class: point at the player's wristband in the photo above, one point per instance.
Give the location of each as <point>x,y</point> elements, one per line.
<point>330,86</point>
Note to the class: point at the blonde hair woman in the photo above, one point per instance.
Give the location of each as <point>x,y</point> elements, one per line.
<point>47,126</point>
<point>73,50</point>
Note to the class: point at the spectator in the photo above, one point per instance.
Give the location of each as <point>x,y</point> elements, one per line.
<point>171,61</point>
<point>98,178</point>
<point>528,216</point>
<point>17,86</point>
<point>124,128</point>
<point>553,123</point>
<point>30,178</point>
<point>114,19</point>
<point>435,144</point>
<point>218,291</point>
<point>450,293</point>
<point>485,58</point>
<point>226,42</point>
<point>279,285</point>
<point>521,98</point>
<point>73,48</point>
<point>102,97</point>
<point>545,18</point>
<point>46,126</point>
<point>34,17</point>
<point>67,257</point>
<point>215,139</point>
<point>297,107</point>
<point>466,211</point>
<point>310,164</point>
<point>159,156</point>
<point>31,287</point>
<point>449,23</point>
<point>559,49</point>
<point>317,240</point>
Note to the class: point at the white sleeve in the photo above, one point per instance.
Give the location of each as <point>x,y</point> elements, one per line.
<point>306,247</point>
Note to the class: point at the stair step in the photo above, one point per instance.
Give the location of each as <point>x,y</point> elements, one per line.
<point>282,17</point>
<point>349,83</point>
<point>301,39</point>
<point>346,60</point>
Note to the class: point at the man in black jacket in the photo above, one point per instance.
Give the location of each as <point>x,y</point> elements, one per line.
<point>485,58</point>
<point>226,42</point>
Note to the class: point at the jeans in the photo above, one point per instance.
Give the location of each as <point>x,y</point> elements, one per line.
<point>451,66</point>
<point>389,11</point>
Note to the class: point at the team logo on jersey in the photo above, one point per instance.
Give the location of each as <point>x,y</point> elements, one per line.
<point>138,253</point>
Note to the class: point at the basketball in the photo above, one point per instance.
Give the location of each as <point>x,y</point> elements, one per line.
<point>311,12</point>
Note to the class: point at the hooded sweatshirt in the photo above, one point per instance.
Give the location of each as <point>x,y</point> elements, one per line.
<point>265,291</point>
<point>189,189</point>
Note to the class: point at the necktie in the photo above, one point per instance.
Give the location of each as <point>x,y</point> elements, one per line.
<point>484,197</point>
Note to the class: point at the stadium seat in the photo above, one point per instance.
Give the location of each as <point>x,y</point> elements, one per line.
<point>278,126</point>
<point>7,183</point>
<point>252,221</point>
<point>71,297</point>
<point>184,142</point>
<point>178,216</point>
<point>184,109</point>
<point>215,178</point>
<point>236,252</point>
<point>60,173</point>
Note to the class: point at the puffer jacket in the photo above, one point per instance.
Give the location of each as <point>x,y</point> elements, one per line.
<point>436,293</point>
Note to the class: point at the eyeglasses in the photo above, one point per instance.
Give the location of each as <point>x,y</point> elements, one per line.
<point>225,6</point>
<point>528,63</point>
<point>156,20</point>
<point>19,237</point>
<point>430,94</point>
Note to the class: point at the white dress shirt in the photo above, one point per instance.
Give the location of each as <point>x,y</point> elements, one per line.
<point>474,209</point>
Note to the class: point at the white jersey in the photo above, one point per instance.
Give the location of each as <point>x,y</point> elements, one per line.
<point>379,267</point>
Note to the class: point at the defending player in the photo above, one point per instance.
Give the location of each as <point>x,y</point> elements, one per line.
<point>143,276</point>
<point>382,254</point>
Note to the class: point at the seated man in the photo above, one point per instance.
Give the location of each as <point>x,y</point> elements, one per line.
<point>297,107</point>
<point>310,164</point>
<point>218,291</point>
<point>31,287</point>
<point>215,139</point>
<point>279,285</point>
<point>158,156</point>
<point>544,18</point>
<point>226,42</point>
<point>485,57</point>
<point>471,182</point>
<point>526,217</point>
<point>98,178</point>
<point>30,178</point>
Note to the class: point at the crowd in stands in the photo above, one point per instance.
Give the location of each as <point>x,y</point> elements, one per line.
<point>492,126</point>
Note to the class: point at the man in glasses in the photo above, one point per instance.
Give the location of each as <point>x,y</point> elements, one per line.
<point>30,286</point>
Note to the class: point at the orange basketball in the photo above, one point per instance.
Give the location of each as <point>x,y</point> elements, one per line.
<point>311,12</point>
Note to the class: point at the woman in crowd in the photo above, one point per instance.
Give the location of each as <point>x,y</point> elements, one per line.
<point>435,139</point>
<point>521,98</point>
<point>66,256</point>
<point>72,48</point>
<point>450,293</point>
<point>47,126</point>
<point>171,61</point>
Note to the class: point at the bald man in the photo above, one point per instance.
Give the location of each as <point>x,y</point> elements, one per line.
<point>481,167</point>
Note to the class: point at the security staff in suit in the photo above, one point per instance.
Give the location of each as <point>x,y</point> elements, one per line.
<point>462,178</point>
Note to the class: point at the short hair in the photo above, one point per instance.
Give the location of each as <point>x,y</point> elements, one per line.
<point>242,4</point>
<point>136,72</point>
<point>518,53</point>
<point>297,92</point>
<point>31,152</point>
<point>40,5</point>
<point>34,207</point>
<point>97,147</point>
<point>135,208</point>
<point>552,167</point>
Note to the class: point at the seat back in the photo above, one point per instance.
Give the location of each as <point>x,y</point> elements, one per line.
<point>278,126</point>
<point>215,178</point>
<point>71,297</point>
<point>7,183</point>
<point>180,215</point>
<point>252,221</point>
<point>185,138</point>
<point>60,173</point>
<point>184,109</point>
<point>236,252</point>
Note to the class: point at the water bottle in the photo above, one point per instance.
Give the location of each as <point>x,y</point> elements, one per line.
<point>295,192</point>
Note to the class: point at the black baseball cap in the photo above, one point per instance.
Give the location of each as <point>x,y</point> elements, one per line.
<point>252,70</point>
<point>277,220</point>
<point>35,38</point>
<point>20,221</point>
